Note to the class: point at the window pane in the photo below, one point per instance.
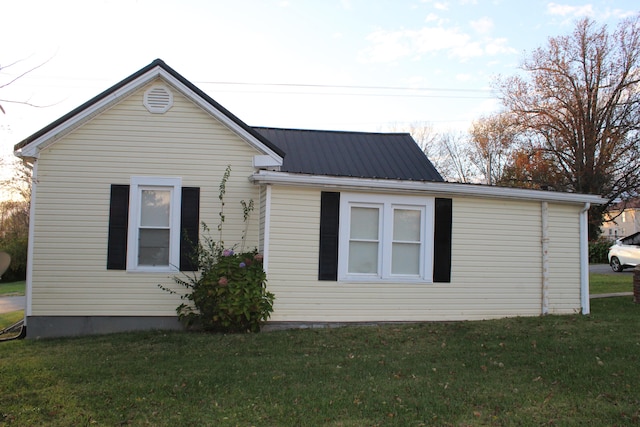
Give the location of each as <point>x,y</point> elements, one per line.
<point>154,208</point>
<point>363,257</point>
<point>405,258</point>
<point>154,247</point>
<point>364,223</point>
<point>406,225</point>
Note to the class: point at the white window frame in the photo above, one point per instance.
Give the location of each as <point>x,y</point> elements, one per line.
<point>387,204</point>
<point>137,184</point>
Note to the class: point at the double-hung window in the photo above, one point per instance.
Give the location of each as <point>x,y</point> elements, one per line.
<point>386,237</point>
<point>154,224</point>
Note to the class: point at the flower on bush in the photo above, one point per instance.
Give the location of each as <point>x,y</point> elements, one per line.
<point>229,294</point>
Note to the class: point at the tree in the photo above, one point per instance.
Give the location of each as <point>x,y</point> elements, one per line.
<point>579,104</point>
<point>492,141</point>
<point>14,218</point>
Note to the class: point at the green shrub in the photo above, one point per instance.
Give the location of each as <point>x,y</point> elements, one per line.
<point>598,251</point>
<point>228,293</point>
<point>16,247</point>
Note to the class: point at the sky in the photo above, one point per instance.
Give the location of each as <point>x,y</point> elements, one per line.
<point>361,65</point>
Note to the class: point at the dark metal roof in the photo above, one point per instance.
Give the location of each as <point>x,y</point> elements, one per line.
<point>354,154</point>
<point>157,63</point>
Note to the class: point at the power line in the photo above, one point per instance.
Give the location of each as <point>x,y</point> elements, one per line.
<point>354,87</point>
<point>404,88</point>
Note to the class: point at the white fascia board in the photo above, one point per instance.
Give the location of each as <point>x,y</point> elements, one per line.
<point>233,126</point>
<point>35,146</point>
<point>400,186</point>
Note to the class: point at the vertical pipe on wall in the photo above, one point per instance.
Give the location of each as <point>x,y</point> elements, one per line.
<point>584,259</point>
<point>545,257</point>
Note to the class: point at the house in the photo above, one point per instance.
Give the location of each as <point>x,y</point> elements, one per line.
<point>621,219</point>
<point>354,227</point>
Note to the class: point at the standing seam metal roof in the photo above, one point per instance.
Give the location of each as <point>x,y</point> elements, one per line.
<point>353,154</point>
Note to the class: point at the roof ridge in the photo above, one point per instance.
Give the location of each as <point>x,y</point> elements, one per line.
<point>331,131</point>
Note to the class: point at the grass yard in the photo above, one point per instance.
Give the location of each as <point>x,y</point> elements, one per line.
<point>610,283</point>
<point>561,370</point>
<point>12,288</point>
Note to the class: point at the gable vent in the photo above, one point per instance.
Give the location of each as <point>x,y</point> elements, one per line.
<point>158,99</point>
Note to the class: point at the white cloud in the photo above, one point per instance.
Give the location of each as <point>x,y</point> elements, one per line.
<point>441,6</point>
<point>390,46</point>
<point>431,17</point>
<point>464,77</point>
<point>567,10</point>
<point>482,25</point>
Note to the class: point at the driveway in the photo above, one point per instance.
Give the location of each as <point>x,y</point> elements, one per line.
<point>9,304</point>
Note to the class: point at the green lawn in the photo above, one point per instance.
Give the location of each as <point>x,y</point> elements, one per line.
<point>561,370</point>
<point>12,288</point>
<point>610,283</point>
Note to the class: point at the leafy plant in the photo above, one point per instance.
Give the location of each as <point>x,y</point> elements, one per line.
<point>228,293</point>
<point>598,251</point>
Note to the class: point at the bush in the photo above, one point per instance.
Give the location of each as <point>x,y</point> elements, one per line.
<point>228,293</point>
<point>16,247</point>
<point>598,251</point>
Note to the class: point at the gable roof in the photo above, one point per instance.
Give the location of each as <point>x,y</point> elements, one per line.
<point>352,154</point>
<point>107,98</point>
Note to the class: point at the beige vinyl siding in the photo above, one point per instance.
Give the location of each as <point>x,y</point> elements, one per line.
<point>496,259</point>
<point>72,211</point>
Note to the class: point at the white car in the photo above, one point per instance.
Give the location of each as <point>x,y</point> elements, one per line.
<point>625,253</point>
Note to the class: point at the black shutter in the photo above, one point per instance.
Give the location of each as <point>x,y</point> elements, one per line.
<point>118,227</point>
<point>189,228</point>
<point>329,225</point>
<point>442,241</point>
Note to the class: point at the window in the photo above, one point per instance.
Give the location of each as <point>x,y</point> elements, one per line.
<point>154,224</point>
<point>385,238</point>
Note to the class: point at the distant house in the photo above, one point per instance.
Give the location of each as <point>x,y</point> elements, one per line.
<point>622,219</point>
<point>354,227</point>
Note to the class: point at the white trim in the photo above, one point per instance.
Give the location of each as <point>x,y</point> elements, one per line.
<point>223,118</point>
<point>138,183</point>
<point>584,259</point>
<point>267,228</point>
<point>34,147</point>
<point>32,216</point>
<point>401,186</point>
<point>386,206</point>
<point>264,161</point>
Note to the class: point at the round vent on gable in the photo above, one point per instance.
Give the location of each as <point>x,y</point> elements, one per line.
<point>158,99</point>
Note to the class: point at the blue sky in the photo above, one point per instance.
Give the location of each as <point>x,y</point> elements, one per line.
<point>322,64</point>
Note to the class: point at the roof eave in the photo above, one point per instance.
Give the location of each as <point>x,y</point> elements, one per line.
<point>31,146</point>
<point>435,187</point>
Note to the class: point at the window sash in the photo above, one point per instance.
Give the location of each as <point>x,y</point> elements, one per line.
<point>403,245</point>
<point>365,229</point>
<point>154,224</point>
